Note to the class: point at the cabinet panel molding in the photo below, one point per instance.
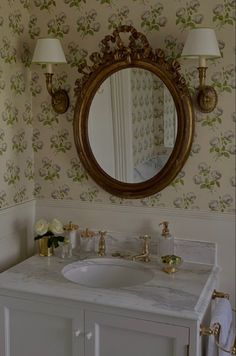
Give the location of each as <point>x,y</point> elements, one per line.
<point>116,335</point>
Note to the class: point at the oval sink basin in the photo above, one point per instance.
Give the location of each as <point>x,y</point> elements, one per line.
<point>107,273</point>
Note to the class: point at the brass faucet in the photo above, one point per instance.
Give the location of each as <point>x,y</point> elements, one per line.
<point>102,244</point>
<point>145,255</point>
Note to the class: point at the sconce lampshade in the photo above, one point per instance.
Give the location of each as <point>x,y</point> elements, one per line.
<point>48,50</point>
<point>201,43</point>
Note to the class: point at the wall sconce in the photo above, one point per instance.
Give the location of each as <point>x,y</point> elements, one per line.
<point>201,43</point>
<point>49,51</point>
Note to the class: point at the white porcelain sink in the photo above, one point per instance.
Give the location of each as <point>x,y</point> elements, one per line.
<point>107,273</point>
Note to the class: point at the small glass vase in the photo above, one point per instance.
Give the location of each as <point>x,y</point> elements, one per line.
<point>44,250</point>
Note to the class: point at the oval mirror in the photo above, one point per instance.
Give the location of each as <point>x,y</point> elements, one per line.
<point>135,112</point>
<point>133,122</point>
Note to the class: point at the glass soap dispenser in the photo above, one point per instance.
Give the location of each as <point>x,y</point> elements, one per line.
<point>166,242</point>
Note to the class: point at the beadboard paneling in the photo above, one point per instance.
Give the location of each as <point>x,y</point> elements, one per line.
<point>16,234</point>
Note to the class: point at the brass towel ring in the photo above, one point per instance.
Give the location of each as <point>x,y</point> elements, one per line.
<point>215,329</point>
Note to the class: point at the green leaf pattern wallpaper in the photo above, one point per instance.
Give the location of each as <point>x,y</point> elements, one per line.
<point>38,157</point>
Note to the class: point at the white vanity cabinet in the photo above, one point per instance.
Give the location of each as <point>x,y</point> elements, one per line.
<point>117,335</point>
<point>43,314</point>
<point>30,328</point>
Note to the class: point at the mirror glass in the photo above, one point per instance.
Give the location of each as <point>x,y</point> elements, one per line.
<point>132,125</point>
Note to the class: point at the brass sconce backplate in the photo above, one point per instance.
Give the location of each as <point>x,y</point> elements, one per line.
<point>206,99</point>
<point>60,101</point>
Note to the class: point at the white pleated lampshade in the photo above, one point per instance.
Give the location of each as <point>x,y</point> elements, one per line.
<point>48,50</point>
<point>201,43</point>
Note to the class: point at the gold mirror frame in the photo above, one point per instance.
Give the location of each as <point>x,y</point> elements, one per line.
<point>114,56</point>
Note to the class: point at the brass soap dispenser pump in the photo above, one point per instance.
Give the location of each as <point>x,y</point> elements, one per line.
<point>166,242</point>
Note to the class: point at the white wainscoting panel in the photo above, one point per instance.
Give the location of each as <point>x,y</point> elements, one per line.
<point>16,233</point>
<point>190,225</point>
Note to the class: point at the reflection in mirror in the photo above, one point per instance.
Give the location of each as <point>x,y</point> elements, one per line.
<point>135,113</point>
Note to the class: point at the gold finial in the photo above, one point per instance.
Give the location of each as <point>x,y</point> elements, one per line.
<point>70,226</point>
<point>87,233</point>
<point>165,230</point>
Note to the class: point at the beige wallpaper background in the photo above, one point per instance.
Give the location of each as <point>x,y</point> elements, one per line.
<point>144,117</point>
<point>16,153</point>
<point>37,153</point>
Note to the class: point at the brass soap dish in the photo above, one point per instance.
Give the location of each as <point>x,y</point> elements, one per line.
<point>171,263</point>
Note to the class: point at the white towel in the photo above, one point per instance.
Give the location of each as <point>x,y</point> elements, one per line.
<point>222,314</point>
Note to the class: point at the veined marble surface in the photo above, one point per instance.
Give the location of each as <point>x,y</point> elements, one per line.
<point>185,294</point>
<point>189,250</point>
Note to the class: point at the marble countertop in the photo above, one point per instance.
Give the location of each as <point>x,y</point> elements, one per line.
<point>184,294</point>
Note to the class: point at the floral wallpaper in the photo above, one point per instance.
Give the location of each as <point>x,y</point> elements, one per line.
<point>37,146</point>
<point>16,153</point>
<point>143,119</point>
<point>170,119</point>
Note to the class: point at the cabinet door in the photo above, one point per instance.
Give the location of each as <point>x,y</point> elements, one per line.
<point>112,335</point>
<point>39,329</point>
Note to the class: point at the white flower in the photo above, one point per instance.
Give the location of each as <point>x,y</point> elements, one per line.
<point>216,175</point>
<point>198,19</point>
<point>227,199</point>
<point>191,196</point>
<point>214,205</point>
<point>233,116</point>
<point>56,227</point>
<point>181,174</point>
<point>196,148</point>
<point>233,181</point>
<point>218,9</point>
<point>194,4</point>
<point>180,12</point>
<point>162,21</point>
<point>215,142</point>
<point>197,179</point>
<point>229,134</point>
<point>203,167</point>
<point>178,202</point>
<point>41,227</point>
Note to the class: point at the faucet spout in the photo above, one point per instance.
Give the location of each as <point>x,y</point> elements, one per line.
<point>145,255</point>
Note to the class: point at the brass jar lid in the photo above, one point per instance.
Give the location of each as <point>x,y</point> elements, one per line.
<point>170,263</point>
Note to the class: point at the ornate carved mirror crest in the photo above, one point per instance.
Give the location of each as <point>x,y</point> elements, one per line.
<point>133,120</point>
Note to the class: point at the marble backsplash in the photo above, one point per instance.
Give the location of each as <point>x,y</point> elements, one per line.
<point>189,250</point>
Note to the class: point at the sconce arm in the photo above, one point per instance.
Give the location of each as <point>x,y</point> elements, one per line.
<point>49,83</point>
<point>202,76</point>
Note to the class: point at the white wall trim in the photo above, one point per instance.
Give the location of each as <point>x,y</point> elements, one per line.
<point>137,210</point>
<point>6,209</point>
